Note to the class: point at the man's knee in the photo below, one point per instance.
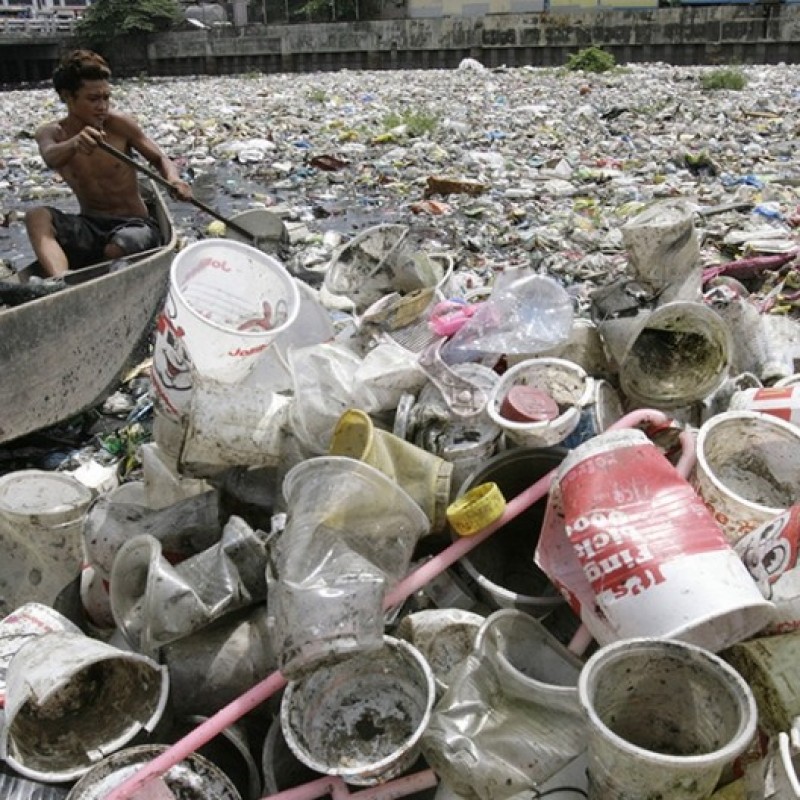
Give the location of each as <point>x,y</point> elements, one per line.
<point>38,220</point>
<point>112,250</point>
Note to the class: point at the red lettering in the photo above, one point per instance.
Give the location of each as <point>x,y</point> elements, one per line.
<point>249,351</point>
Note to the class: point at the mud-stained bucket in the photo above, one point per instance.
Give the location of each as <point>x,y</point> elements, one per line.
<point>670,357</point>
<point>228,427</point>
<point>564,381</point>
<point>642,743</point>
<point>41,514</point>
<point>362,718</point>
<point>61,689</point>
<point>503,566</point>
<point>227,302</point>
<point>194,778</point>
<point>771,666</point>
<point>748,469</point>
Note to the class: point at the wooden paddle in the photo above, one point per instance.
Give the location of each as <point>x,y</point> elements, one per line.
<point>162,181</point>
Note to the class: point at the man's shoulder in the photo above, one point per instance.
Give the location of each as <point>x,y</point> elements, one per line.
<point>53,129</point>
<point>119,122</point>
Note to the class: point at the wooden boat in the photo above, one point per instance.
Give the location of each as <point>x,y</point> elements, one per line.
<point>62,353</point>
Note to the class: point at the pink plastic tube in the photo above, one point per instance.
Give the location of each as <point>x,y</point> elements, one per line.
<point>413,582</point>
<point>337,788</point>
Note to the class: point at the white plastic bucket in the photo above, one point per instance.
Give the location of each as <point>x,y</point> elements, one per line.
<point>670,357</point>
<point>41,546</point>
<point>60,693</point>
<point>362,718</point>
<point>229,302</point>
<point>566,382</point>
<point>643,742</point>
<point>193,778</point>
<point>748,469</point>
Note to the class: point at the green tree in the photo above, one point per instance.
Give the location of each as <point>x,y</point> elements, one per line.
<point>107,20</point>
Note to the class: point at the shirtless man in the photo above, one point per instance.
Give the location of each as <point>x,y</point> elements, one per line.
<point>113,219</point>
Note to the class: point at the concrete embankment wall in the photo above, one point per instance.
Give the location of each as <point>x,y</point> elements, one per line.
<point>756,34</point>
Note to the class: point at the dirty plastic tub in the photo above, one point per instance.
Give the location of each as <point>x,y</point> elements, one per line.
<point>361,719</point>
<point>503,566</point>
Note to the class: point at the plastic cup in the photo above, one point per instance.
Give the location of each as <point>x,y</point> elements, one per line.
<point>632,546</point>
<point>227,303</point>
<point>748,469</point>
<point>642,743</point>
<point>41,514</point>
<point>70,697</point>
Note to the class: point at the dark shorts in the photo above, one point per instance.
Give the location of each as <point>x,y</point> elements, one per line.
<point>84,237</point>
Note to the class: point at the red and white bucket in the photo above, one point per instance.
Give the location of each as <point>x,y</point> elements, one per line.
<point>636,552</point>
<point>782,402</point>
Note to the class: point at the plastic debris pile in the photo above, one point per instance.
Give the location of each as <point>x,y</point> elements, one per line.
<point>454,492</point>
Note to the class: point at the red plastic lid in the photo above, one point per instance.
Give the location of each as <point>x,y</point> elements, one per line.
<point>528,404</point>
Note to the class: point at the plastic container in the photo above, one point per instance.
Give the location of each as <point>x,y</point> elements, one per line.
<point>227,303</point>
<point>350,533</point>
<point>362,718</point>
<point>503,566</point>
<point>748,469</point>
<point>535,728</point>
<point>41,516</point>
<point>673,356</point>
<point>782,402</point>
<point>193,778</point>
<point>642,743</point>
<point>638,554</point>
<point>60,688</point>
<point>565,382</point>
<point>227,427</point>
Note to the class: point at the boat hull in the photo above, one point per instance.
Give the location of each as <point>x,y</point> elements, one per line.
<point>63,353</point>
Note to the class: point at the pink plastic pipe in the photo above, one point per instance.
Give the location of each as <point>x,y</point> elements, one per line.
<point>337,788</point>
<point>263,690</point>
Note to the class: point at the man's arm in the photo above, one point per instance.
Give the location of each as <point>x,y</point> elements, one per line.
<point>57,150</point>
<point>142,143</point>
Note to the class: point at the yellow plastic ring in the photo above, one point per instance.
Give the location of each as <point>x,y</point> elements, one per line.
<point>477,508</point>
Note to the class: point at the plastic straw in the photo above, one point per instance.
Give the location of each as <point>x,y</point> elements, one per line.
<point>262,691</point>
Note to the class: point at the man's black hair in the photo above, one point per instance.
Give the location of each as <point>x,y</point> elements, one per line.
<point>77,67</point>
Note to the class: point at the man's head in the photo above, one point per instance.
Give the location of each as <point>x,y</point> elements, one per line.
<point>77,67</point>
